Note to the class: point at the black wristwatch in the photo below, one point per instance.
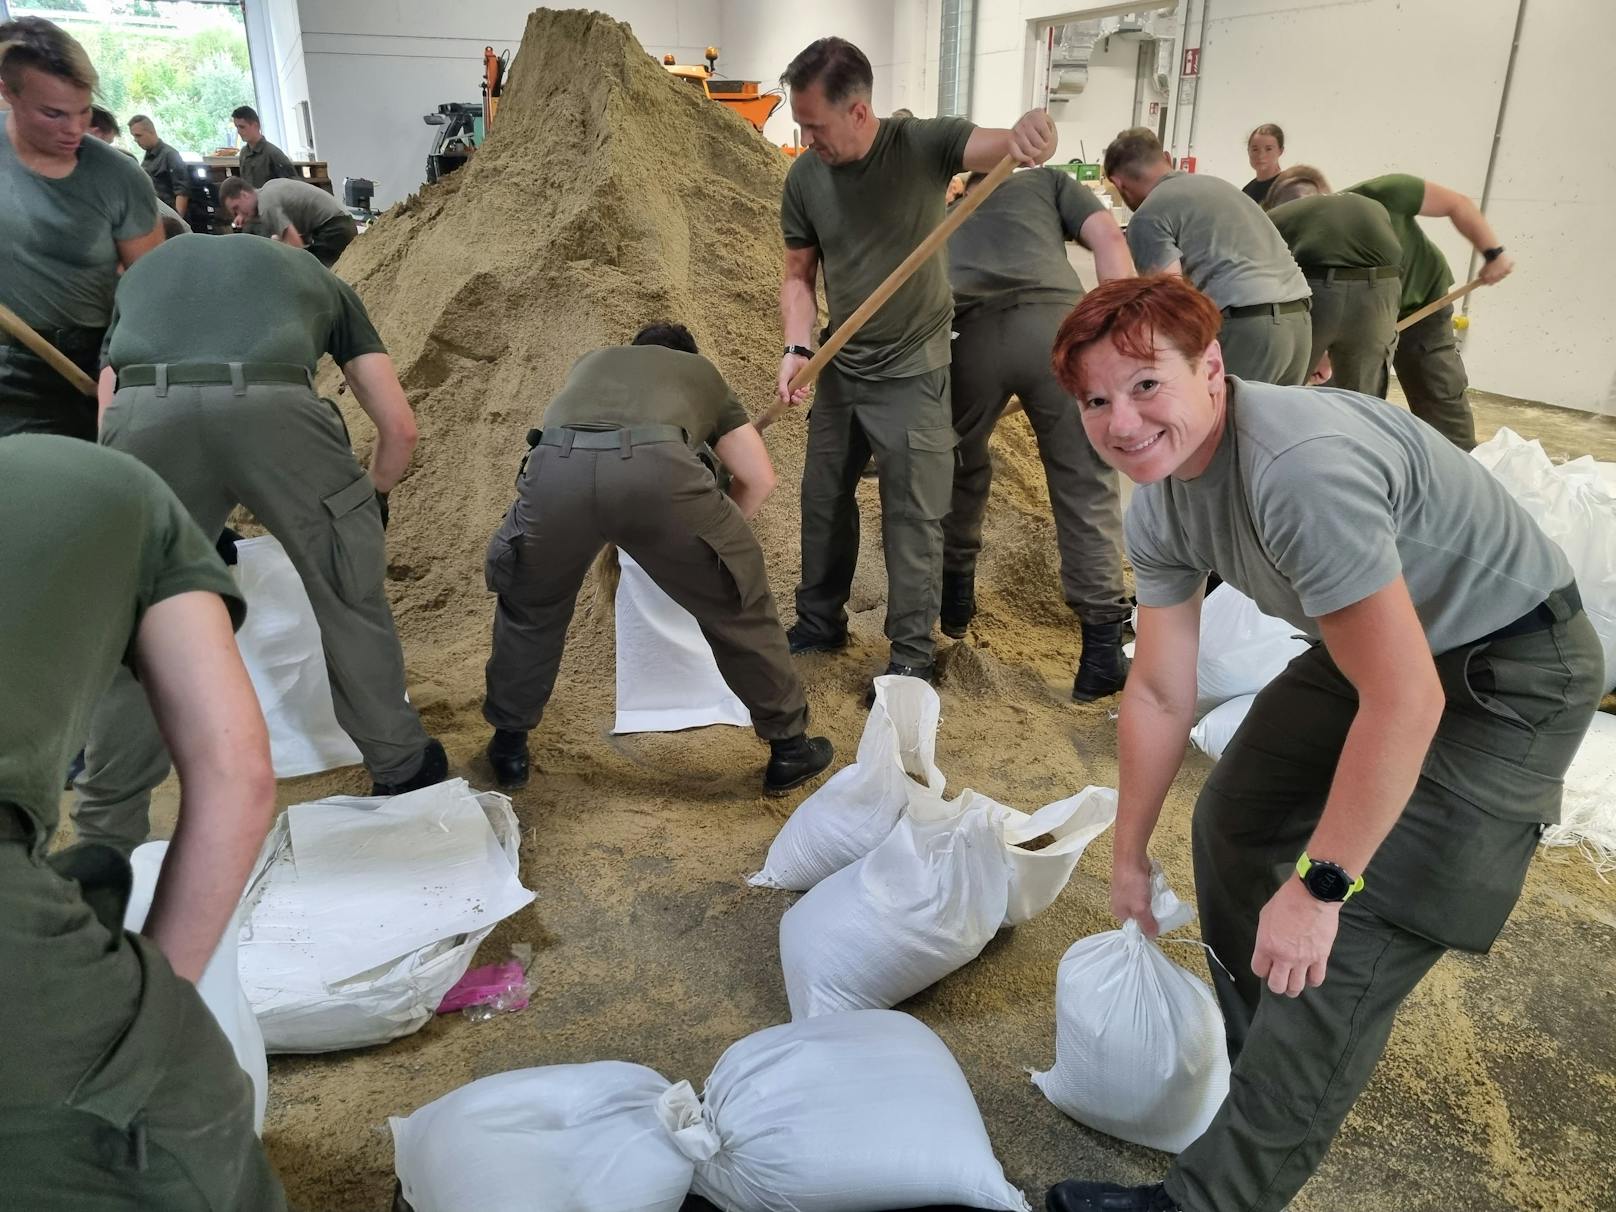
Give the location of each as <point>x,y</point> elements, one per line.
<point>802,351</point>
<point>1326,881</point>
<point>1492,254</point>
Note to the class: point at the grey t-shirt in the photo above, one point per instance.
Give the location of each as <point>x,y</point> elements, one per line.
<point>284,203</point>
<point>622,386</point>
<point>1013,248</point>
<point>1228,248</point>
<point>1318,498</point>
<point>58,235</point>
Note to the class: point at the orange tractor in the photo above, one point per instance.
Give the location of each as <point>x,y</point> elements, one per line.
<point>742,96</point>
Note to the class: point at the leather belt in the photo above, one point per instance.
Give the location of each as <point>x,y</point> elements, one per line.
<point>1267,309</point>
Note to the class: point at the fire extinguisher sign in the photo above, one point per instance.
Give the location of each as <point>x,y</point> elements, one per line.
<point>1192,61</point>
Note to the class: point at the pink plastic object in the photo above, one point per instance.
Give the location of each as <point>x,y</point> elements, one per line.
<point>503,985</point>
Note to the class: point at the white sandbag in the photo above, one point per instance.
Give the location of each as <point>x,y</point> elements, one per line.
<point>601,1137</point>
<point>366,911</point>
<point>1576,507</point>
<point>220,985</point>
<point>858,806</point>
<point>1242,649</point>
<point>666,676</point>
<point>1038,876</point>
<point>1139,1042</point>
<point>280,645</point>
<point>1218,726</point>
<point>847,1113</point>
<point>1588,813</point>
<point>920,905</point>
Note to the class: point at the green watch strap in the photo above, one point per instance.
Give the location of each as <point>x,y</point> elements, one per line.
<point>1305,864</point>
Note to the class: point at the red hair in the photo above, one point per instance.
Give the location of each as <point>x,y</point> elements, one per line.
<point>1139,315</point>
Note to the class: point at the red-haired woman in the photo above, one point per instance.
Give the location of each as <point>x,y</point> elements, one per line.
<point>1384,796</point>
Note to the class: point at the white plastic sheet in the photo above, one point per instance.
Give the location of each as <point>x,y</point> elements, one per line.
<point>1139,1042</point>
<point>280,645</point>
<point>1242,649</point>
<point>1588,813</point>
<point>1575,505</point>
<point>220,985</point>
<point>1218,726</point>
<point>666,676</point>
<point>308,915</point>
<point>858,806</point>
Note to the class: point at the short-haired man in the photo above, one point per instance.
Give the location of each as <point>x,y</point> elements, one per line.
<point>1384,797</point>
<point>293,212</point>
<point>616,462</point>
<point>1429,368</point>
<point>104,125</point>
<point>120,1090</point>
<point>1349,254</point>
<point>257,159</point>
<point>170,175</point>
<point>211,386</point>
<point>857,203</point>
<point>1205,229</point>
<point>74,210</point>
<point>1012,288</point>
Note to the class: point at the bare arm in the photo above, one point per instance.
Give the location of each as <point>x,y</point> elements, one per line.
<point>210,720</point>
<point>1153,727</point>
<point>1102,237</point>
<point>290,235</point>
<point>1466,216</point>
<point>1380,647</point>
<point>1030,141</point>
<point>751,472</point>
<point>376,387</point>
<point>105,386</point>
<point>136,247</point>
<point>799,308</point>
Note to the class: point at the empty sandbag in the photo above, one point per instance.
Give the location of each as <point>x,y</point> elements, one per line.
<point>858,806</point>
<point>1139,1041</point>
<point>280,645</point>
<point>365,912</point>
<point>1212,734</point>
<point>1241,650</point>
<point>601,1137</point>
<point>847,1113</point>
<point>666,676</point>
<point>1588,813</point>
<point>220,985</point>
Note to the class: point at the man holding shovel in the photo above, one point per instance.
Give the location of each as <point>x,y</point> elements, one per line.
<point>868,193</point>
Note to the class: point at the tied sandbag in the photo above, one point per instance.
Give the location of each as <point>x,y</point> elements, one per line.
<point>843,1114</point>
<point>1241,649</point>
<point>280,645</point>
<point>856,809</point>
<point>1217,727</point>
<point>220,986</point>
<point>1588,812</point>
<point>363,913</point>
<point>1139,1042</point>
<point>667,679</point>
<point>1575,505</point>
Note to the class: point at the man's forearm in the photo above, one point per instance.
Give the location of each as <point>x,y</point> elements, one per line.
<point>748,497</point>
<point>1473,226</point>
<point>182,203</point>
<point>389,460</point>
<point>798,311</point>
<point>1150,741</point>
<point>1112,259</point>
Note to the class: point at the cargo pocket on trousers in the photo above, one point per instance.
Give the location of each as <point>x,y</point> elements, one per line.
<point>931,472</point>
<point>358,550</point>
<point>499,563</point>
<point>737,550</point>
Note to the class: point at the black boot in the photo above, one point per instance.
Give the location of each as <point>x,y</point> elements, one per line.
<point>795,760</point>
<point>1074,1196</point>
<point>434,769</point>
<point>926,673</point>
<point>959,604</point>
<point>1102,669</point>
<point>801,640</point>
<point>507,754</point>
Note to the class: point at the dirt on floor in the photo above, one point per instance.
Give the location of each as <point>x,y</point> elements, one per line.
<point>611,195</point>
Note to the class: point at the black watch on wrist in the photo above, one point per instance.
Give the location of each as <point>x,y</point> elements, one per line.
<point>1492,254</point>
<point>802,351</point>
<point>1326,882</point>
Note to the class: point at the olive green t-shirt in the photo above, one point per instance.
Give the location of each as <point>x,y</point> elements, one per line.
<point>235,299</point>
<point>262,164</point>
<point>623,386</point>
<point>1338,231</point>
<point>1013,248</point>
<point>170,175</point>
<point>58,236</point>
<point>296,204</point>
<point>90,539</point>
<point>1426,276</point>
<point>865,218</point>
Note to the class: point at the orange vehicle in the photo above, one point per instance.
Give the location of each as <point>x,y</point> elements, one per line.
<point>493,83</point>
<point>742,96</point>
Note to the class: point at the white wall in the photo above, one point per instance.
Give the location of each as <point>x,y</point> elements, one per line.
<point>1091,119</point>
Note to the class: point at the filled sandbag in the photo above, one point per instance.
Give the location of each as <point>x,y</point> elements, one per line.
<point>220,985</point>
<point>1241,649</point>
<point>363,913</point>
<point>1588,812</point>
<point>1043,849</point>
<point>858,806</point>
<point>847,1113</point>
<point>1139,1041</point>
<point>1213,732</point>
<point>1575,506</point>
<point>280,645</point>
<point>666,676</point>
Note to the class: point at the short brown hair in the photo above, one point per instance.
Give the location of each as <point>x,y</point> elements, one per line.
<point>1268,128</point>
<point>1298,181</point>
<point>1133,149</point>
<point>839,67</point>
<point>45,46</point>
<point>104,120</point>
<point>234,187</point>
<point>1139,315</point>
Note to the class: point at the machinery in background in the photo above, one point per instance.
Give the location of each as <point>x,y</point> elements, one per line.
<point>357,194</point>
<point>742,96</point>
<point>494,69</point>
<point>461,129</point>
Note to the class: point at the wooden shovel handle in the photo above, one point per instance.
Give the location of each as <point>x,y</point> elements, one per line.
<point>59,362</point>
<point>1458,292</point>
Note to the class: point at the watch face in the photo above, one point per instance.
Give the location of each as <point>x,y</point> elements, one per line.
<point>1327,883</point>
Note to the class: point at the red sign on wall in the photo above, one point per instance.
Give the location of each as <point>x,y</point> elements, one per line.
<point>1192,61</point>
<point>1186,164</point>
